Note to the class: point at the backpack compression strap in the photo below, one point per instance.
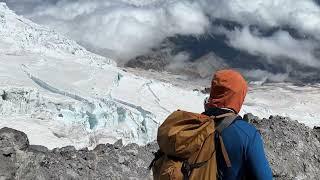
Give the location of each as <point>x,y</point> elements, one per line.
<point>157,156</point>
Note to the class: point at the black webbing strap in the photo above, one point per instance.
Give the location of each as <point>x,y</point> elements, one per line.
<point>157,156</point>
<point>187,168</point>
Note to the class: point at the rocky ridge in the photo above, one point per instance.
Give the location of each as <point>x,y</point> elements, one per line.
<point>292,149</point>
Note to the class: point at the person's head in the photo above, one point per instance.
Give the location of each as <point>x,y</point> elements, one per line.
<point>228,90</point>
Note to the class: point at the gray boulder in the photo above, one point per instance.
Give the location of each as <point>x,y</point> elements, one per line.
<point>19,160</point>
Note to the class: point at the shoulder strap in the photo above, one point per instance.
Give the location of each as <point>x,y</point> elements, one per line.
<point>226,122</point>
<point>224,152</point>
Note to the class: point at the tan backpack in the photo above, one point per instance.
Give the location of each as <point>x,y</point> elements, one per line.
<point>187,146</point>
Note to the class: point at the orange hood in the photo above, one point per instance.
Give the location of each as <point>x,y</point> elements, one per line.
<point>228,90</point>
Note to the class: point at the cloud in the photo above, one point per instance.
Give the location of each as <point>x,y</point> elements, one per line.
<point>263,76</point>
<point>280,44</point>
<point>178,61</point>
<point>301,15</point>
<point>132,27</point>
<point>128,28</point>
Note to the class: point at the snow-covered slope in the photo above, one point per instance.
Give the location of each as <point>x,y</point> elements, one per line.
<point>20,36</point>
<point>297,102</point>
<point>60,94</point>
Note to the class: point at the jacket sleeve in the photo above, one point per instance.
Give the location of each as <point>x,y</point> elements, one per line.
<point>257,163</point>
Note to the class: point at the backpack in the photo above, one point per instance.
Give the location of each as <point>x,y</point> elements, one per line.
<point>187,146</point>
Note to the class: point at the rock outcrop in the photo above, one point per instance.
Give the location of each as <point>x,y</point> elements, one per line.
<point>20,160</point>
<point>293,150</point>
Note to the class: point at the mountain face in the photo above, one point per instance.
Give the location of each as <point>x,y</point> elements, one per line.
<point>60,94</point>
<point>74,105</point>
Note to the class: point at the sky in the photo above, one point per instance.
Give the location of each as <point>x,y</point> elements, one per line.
<point>127,28</point>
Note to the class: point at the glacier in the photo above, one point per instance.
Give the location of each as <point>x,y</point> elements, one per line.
<point>60,94</point>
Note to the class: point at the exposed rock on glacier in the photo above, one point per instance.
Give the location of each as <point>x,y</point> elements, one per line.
<point>292,149</point>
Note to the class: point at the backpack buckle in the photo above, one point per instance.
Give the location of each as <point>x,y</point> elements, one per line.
<point>186,169</point>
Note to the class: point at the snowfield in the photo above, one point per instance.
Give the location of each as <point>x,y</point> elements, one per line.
<point>59,94</point>
<point>298,103</point>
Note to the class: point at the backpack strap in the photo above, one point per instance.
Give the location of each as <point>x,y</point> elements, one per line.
<point>225,153</point>
<point>187,168</point>
<point>224,123</point>
<point>223,115</point>
<point>157,156</point>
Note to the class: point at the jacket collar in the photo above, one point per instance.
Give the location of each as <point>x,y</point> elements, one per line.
<point>216,111</point>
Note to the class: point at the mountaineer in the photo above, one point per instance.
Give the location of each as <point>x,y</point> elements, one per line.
<point>242,141</point>
<point>217,144</point>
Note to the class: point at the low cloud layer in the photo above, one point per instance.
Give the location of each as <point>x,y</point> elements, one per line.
<point>301,15</point>
<point>132,27</point>
<point>128,28</point>
<point>263,76</point>
<point>279,45</point>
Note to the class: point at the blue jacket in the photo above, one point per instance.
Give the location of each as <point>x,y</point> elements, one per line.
<point>245,149</point>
